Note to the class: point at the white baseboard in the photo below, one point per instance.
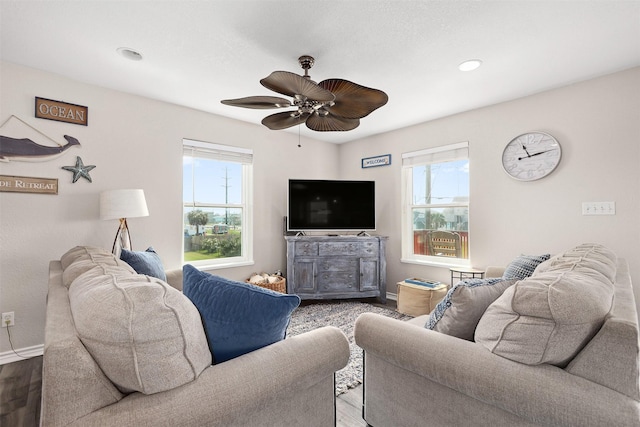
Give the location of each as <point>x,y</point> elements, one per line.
<point>392,296</point>
<point>26,353</point>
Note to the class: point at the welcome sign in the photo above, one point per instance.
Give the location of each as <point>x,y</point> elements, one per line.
<point>61,111</point>
<point>371,162</point>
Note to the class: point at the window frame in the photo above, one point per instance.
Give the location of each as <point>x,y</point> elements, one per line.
<point>440,154</point>
<point>225,153</point>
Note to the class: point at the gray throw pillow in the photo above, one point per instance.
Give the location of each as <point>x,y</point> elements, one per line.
<point>524,266</point>
<point>460,310</point>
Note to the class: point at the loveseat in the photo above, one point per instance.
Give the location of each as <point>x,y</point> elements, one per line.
<point>558,348</point>
<point>160,373</point>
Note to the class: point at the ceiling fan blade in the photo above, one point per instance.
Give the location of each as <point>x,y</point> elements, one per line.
<point>352,100</point>
<point>331,123</point>
<point>292,84</point>
<point>283,120</point>
<point>258,102</point>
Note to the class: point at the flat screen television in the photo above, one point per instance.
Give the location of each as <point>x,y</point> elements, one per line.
<point>331,205</point>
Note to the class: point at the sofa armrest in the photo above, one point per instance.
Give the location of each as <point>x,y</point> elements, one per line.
<point>174,278</point>
<point>543,394</point>
<point>494,271</point>
<point>234,392</point>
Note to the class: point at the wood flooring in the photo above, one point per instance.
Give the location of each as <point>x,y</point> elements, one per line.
<point>20,391</point>
<point>21,384</point>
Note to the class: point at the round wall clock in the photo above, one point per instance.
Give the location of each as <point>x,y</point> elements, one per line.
<point>531,156</point>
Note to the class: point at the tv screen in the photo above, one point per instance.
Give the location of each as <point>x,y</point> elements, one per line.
<point>331,205</point>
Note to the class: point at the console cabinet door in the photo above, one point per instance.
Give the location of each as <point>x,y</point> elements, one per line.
<point>305,273</point>
<point>369,274</point>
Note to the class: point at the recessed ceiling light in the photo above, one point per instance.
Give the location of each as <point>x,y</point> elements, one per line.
<point>129,53</point>
<point>470,65</point>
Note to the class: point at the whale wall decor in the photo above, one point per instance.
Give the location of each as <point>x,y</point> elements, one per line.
<point>26,150</point>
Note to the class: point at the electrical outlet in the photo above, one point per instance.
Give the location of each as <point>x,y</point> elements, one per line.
<point>8,319</point>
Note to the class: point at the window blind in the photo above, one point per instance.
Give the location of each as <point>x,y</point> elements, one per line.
<point>445,153</point>
<point>220,152</point>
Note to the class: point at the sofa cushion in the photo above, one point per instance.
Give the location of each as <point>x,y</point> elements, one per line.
<point>549,317</point>
<point>81,259</point>
<point>588,258</point>
<point>460,310</point>
<point>524,266</point>
<point>147,262</point>
<point>144,335</point>
<point>83,252</point>
<point>238,317</point>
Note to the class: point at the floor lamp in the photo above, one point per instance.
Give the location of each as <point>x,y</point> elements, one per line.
<point>122,204</point>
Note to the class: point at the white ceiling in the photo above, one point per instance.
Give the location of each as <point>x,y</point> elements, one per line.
<point>197,53</point>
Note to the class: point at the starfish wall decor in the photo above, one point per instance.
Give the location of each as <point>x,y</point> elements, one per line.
<point>79,170</point>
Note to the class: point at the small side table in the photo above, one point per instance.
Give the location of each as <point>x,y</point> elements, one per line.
<point>465,273</point>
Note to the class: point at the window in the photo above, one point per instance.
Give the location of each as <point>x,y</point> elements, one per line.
<point>217,200</point>
<point>435,219</point>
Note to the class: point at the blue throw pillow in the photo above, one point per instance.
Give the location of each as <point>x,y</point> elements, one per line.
<point>147,262</point>
<point>523,266</point>
<point>238,317</point>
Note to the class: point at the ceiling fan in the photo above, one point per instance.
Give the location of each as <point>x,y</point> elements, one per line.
<point>331,105</point>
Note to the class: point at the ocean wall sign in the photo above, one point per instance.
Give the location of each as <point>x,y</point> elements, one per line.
<point>25,184</point>
<point>61,111</point>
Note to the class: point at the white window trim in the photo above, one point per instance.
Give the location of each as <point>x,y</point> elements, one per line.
<point>409,160</point>
<point>244,156</point>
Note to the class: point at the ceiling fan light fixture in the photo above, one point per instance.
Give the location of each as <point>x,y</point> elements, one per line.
<point>470,65</point>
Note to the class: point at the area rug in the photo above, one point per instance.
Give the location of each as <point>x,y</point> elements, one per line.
<point>342,315</point>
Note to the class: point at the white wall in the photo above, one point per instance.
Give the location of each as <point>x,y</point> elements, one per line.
<point>134,143</point>
<point>597,123</point>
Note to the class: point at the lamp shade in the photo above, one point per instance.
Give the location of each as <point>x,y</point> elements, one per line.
<point>115,204</point>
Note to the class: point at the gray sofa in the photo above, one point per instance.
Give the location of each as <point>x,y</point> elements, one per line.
<point>420,377</point>
<point>287,383</point>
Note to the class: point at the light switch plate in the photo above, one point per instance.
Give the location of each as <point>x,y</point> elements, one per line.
<point>598,208</point>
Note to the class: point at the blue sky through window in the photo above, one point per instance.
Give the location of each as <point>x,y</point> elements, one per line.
<point>216,181</point>
<point>449,182</point>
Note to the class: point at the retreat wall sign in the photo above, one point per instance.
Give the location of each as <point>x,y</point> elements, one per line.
<point>25,184</point>
<point>61,111</point>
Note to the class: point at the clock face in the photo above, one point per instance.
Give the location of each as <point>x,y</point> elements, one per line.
<point>531,156</point>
